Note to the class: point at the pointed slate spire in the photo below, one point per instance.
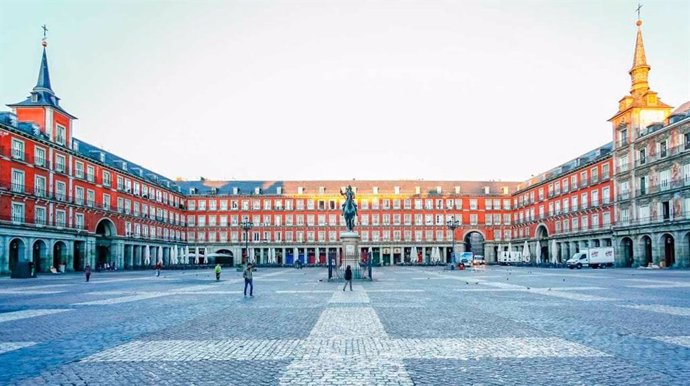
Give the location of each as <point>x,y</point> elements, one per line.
<point>640,69</point>
<point>43,82</point>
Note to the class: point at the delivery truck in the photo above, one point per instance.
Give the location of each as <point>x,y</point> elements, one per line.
<point>593,258</point>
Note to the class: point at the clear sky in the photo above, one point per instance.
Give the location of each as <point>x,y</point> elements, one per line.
<point>479,90</point>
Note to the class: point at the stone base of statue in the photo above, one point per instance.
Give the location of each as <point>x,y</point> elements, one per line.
<point>351,254</point>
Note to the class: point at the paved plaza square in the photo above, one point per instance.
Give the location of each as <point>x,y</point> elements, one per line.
<point>411,326</point>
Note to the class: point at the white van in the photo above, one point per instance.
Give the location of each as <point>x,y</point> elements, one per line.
<point>593,257</point>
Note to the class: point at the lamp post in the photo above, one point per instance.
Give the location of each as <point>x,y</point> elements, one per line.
<point>453,225</point>
<point>246,227</point>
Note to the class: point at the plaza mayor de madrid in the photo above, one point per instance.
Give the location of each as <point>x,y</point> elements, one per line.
<point>66,204</point>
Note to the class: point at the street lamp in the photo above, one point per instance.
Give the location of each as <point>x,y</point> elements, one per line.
<point>453,225</point>
<point>246,227</point>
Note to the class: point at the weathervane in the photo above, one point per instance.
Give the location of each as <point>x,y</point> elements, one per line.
<point>45,35</point>
<point>639,6</point>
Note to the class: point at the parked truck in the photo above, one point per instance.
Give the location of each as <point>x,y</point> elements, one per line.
<point>511,257</point>
<point>593,258</point>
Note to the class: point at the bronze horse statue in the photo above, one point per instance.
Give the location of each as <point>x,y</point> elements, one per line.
<point>349,208</point>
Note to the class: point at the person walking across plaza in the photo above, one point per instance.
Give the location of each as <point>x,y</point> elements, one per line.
<point>158,268</point>
<point>247,274</point>
<point>87,272</point>
<point>348,277</point>
<point>218,269</point>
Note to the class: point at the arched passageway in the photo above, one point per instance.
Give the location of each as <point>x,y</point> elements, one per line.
<point>626,247</point>
<point>474,242</point>
<point>17,252</point>
<point>669,246</point>
<point>646,247</point>
<point>39,256</point>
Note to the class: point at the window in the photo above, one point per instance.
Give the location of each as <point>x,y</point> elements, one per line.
<point>59,163</point>
<point>106,179</point>
<point>642,156</point>
<point>473,219</point>
<point>605,171</point>
<point>583,199</point>
<point>607,218</point>
<point>60,134</point>
<point>687,141</point>
<point>661,149</point>
<point>473,204</point>
<point>91,172</point>
<point>60,219</point>
<point>17,213</point>
<point>17,181</point>
<point>17,149</point>
<point>106,201</point>
<point>40,156</point>
<point>40,215</point>
<point>79,169</point>
<point>606,197</point>
<point>79,195</point>
<point>79,221</point>
<point>665,179</point>
<point>583,178</point>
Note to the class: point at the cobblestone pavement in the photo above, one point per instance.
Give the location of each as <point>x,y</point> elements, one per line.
<point>411,326</point>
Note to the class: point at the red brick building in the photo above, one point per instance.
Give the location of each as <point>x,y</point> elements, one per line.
<point>65,203</point>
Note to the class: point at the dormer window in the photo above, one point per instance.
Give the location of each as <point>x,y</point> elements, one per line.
<point>60,134</point>
<point>322,189</point>
<point>376,190</point>
<point>300,190</point>
<point>457,190</point>
<point>235,190</point>
<point>34,98</point>
<point>487,190</point>
<point>279,190</point>
<point>438,190</point>
<point>396,190</point>
<point>257,190</point>
<point>417,190</point>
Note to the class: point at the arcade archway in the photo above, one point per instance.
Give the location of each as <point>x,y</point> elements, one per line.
<point>669,246</point>
<point>224,257</point>
<point>39,256</point>
<point>59,253</point>
<point>626,246</point>
<point>474,242</point>
<point>17,251</point>
<point>105,232</point>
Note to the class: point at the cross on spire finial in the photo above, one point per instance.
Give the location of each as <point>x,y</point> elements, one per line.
<point>639,7</point>
<point>45,31</point>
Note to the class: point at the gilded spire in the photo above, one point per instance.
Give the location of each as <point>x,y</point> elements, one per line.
<point>640,68</point>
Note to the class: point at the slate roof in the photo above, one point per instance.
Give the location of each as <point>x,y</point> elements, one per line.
<point>332,187</point>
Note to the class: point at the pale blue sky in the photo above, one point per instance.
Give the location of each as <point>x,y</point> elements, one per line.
<point>272,89</point>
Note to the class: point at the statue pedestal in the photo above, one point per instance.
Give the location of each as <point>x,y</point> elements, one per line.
<point>351,254</point>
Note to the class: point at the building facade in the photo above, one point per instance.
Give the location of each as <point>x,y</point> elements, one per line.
<point>65,203</point>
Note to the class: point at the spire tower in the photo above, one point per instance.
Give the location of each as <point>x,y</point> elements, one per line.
<point>640,69</point>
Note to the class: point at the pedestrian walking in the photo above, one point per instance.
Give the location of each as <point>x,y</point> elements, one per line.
<point>158,268</point>
<point>218,269</point>
<point>87,272</point>
<point>247,274</point>
<point>348,277</point>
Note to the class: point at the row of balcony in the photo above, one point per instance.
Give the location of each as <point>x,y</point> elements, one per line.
<point>655,188</point>
<point>58,197</point>
<point>60,168</point>
<point>663,154</point>
<point>583,184</point>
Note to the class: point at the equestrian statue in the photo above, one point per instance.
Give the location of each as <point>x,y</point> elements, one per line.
<point>349,208</point>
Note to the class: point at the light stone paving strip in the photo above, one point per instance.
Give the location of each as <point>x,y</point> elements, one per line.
<point>16,315</point>
<point>677,311</point>
<point>191,350</point>
<point>677,340</point>
<point>124,299</point>
<point>357,295</point>
<point>11,346</point>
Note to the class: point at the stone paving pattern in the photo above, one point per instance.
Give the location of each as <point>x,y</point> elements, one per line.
<point>411,326</point>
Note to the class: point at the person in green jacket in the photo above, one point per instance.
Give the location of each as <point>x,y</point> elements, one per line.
<point>217,272</point>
